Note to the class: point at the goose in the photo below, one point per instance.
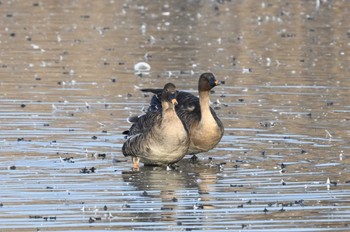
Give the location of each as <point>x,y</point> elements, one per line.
<point>158,137</point>
<point>204,127</point>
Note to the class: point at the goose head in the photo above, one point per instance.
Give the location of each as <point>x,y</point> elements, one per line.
<point>169,94</point>
<point>207,81</point>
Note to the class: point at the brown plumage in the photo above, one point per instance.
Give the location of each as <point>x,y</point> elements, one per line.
<point>158,137</point>
<point>205,128</point>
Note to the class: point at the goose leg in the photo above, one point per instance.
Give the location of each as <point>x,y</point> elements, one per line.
<point>135,162</point>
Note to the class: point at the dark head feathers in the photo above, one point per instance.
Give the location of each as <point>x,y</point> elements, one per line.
<point>169,93</point>
<point>207,81</point>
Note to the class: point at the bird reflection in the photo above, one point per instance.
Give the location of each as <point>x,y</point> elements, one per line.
<point>172,194</point>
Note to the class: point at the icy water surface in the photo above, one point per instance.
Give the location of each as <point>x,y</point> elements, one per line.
<point>67,84</point>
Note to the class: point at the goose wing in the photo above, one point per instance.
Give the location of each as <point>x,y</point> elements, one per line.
<point>135,145</point>
<point>143,123</point>
<point>141,127</point>
<point>183,98</point>
<point>154,91</point>
<point>155,103</point>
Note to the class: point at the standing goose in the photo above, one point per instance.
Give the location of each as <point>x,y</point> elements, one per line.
<point>158,137</point>
<point>205,128</point>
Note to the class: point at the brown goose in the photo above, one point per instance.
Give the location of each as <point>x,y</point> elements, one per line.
<point>205,128</point>
<point>158,137</point>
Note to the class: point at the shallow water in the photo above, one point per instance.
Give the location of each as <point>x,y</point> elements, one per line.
<point>67,84</point>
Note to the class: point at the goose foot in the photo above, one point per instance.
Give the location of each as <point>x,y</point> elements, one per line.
<point>171,167</point>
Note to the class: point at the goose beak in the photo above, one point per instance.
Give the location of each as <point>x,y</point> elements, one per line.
<point>174,102</point>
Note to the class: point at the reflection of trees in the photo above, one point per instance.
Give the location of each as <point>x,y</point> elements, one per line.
<point>170,195</point>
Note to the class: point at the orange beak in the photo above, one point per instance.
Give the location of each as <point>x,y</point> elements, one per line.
<point>174,102</point>
<point>217,82</point>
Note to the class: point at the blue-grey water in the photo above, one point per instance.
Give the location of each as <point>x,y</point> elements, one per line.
<point>67,85</point>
